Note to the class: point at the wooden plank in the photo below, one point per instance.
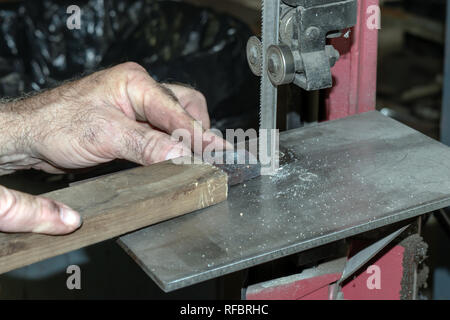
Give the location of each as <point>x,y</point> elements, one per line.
<point>117,204</point>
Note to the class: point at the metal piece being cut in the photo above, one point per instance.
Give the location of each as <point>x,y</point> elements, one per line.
<point>336,180</point>
<point>239,165</point>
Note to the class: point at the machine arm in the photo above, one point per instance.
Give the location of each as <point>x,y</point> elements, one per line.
<point>302,56</point>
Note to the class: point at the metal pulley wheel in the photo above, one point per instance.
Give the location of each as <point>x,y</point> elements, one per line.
<point>255,55</point>
<point>281,65</point>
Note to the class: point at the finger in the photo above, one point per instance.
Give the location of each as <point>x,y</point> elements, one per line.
<point>47,167</point>
<point>20,212</point>
<point>192,101</point>
<point>175,118</point>
<point>160,106</point>
<point>145,145</point>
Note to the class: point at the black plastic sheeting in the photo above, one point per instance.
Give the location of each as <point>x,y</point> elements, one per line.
<point>175,41</point>
<point>434,9</point>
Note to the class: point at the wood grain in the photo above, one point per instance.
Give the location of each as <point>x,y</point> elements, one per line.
<point>117,204</point>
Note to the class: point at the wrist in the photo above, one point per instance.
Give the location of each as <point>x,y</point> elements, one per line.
<point>14,146</point>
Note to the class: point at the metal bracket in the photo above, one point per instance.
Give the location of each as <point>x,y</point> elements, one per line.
<point>302,55</point>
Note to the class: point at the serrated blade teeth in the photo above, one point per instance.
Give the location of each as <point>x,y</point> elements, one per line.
<point>268,93</point>
<point>270,26</point>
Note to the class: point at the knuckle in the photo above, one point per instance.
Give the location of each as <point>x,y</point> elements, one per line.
<point>157,144</point>
<point>96,130</point>
<point>48,206</point>
<point>47,211</point>
<point>200,98</point>
<point>121,72</point>
<point>47,217</point>
<point>130,73</point>
<point>134,144</point>
<point>148,154</point>
<point>7,202</point>
<point>131,67</point>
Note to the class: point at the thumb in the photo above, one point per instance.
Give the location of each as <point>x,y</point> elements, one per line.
<point>20,212</point>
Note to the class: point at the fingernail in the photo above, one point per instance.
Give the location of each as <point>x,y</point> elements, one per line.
<point>70,218</point>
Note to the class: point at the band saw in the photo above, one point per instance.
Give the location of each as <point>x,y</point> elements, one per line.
<point>348,194</point>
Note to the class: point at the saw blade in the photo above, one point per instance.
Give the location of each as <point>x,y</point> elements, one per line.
<point>268,103</point>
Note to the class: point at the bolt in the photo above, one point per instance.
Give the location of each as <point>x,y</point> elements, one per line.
<point>332,54</point>
<point>313,33</point>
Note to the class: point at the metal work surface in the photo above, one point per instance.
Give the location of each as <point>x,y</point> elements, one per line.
<point>336,180</point>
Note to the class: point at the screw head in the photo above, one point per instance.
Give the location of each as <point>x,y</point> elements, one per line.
<point>312,33</point>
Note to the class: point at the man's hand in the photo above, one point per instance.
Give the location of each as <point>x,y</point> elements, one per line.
<point>115,113</point>
<point>20,212</point>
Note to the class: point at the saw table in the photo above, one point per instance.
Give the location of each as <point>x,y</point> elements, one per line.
<point>336,180</point>
<point>345,201</point>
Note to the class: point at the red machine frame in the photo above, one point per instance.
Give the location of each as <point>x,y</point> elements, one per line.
<point>354,91</point>
<point>355,73</point>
